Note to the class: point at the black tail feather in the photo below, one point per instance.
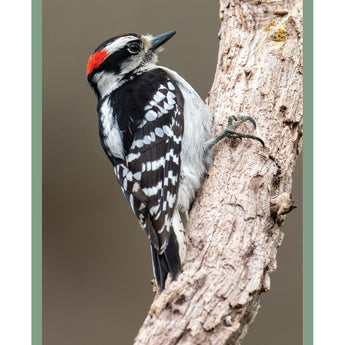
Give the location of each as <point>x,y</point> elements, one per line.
<point>167,262</point>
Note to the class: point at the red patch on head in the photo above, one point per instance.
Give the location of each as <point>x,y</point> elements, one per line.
<point>95,60</point>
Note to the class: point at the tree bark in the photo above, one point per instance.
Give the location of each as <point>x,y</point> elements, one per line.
<point>233,227</point>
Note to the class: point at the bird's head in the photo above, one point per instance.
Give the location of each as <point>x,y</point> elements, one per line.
<point>124,54</point>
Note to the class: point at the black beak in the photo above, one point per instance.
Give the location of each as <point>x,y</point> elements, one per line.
<point>161,39</point>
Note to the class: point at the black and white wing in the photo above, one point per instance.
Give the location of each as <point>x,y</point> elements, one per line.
<point>149,177</point>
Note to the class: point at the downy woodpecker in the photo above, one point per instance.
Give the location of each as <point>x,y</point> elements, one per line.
<point>155,130</point>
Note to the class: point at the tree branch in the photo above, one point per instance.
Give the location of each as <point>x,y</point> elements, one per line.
<point>234,223</point>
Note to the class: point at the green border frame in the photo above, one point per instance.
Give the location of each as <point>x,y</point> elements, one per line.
<point>308,172</point>
<point>36,170</point>
<point>37,173</point>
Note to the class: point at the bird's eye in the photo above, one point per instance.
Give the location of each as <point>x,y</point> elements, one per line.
<point>134,48</point>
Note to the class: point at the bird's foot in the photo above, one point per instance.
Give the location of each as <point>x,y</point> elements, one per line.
<point>230,131</point>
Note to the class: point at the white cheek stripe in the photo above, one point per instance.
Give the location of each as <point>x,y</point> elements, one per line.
<point>107,82</point>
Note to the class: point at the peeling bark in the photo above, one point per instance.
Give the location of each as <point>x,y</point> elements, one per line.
<point>233,227</point>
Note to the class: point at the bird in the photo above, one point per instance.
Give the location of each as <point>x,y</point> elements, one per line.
<point>156,131</point>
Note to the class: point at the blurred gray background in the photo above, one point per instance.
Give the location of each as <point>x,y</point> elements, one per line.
<point>96,260</point>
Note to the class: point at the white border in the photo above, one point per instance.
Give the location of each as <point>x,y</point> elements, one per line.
<point>15,173</point>
<point>329,172</point>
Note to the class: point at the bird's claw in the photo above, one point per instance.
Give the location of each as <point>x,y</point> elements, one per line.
<point>230,131</point>
<point>234,123</point>
<point>239,121</point>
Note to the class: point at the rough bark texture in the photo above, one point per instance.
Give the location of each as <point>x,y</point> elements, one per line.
<point>234,223</point>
